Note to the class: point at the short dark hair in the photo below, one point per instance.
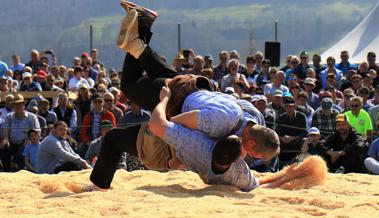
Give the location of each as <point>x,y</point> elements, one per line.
<point>267,141</point>
<point>250,58</point>
<point>59,123</point>
<point>227,150</point>
<point>266,61</point>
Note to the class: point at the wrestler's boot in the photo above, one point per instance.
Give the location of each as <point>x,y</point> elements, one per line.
<point>128,39</point>
<point>146,18</point>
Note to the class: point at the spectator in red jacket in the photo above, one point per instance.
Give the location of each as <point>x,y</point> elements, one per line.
<point>91,123</point>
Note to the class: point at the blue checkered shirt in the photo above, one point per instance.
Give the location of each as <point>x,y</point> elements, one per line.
<point>194,149</point>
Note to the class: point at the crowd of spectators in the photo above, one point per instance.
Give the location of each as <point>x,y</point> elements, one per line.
<point>328,110</point>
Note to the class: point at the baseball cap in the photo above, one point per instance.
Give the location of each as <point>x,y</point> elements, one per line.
<point>287,95</point>
<point>277,93</point>
<point>342,118</point>
<point>41,74</point>
<point>313,131</point>
<point>208,57</point>
<point>97,96</point>
<point>83,86</point>
<point>326,103</point>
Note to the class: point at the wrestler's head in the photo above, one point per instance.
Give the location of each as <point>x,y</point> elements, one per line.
<point>227,150</point>
<point>261,142</point>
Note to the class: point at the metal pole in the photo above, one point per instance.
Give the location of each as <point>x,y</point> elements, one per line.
<point>276,31</point>
<point>91,36</point>
<point>179,37</point>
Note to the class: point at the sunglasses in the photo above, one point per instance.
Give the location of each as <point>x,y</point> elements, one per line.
<point>355,106</point>
<point>294,62</point>
<point>108,100</point>
<point>303,57</point>
<point>98,101</point>
<point>356,81</point>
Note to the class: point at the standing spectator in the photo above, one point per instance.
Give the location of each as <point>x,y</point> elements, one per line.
<point>15,133</point>
<point>277,84</point>
<point>16,66</point>
<point>91,123</point>
<point>359,119</point>
<point>330,70</point>
<point>371,59</point>
<point>372,161</point>
<point>258,61</point>
<point>345,65</point>
<point>241,68</point>
<point>233,76</point>
<point>345,148</point>
<point>301,70</point>
<point>374,115</point>
<point>65,112</point>
<point>30,151</point>
<point>34,62</point>
<point>288,64</point>
<point>294,64</point>
<point>109,105</point>
<point>3,68</point>
<point>77,80</point>
<point>28,84</point>
<point>95,57</point>
<point>317,66</point>
<point>324,119</point>
<point>291,128</point>
<point>55,155</point>
<point>250,69</point>
<point>136,115</point>
<point>198,65</point>
<point>222,69</point>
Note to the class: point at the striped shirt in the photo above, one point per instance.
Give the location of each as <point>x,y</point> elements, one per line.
<point>19,127</point>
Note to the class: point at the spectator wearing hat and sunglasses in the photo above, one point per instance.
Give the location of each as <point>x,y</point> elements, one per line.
<point>359,119</point>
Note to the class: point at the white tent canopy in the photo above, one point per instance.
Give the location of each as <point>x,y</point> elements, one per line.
<point>361,40</point>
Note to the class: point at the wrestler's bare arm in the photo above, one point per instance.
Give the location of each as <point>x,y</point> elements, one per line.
<point>188,119</point>
<point>158,120</point>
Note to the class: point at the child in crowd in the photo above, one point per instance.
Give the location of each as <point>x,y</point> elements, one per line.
<point>30,151</point>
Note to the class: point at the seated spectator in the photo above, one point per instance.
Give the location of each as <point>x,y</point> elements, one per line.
<point>372,162</point>
<point>83,102</point>
<point>324,119</point>
<point>312,144</point>
<point>277,84</point>
<point>109,105</point>
<point>359,119</point>
<point>34,62</point>
<point>375,99</point>
<point>295,90</point>
<point>364,93</point>
<point>41,120</point>
<point>330,70</point>
<point>198,65</point>
<point>301,70</point>
<point>316,59</point>
<point>303,106</point>
<point>28,84</point>
<point>374,115</point>
<point>291,127</point>
<point>357,82</point>
<point>277,103</point>
<point>264,75</point>
<point>44,111</point>
<point>91,123</point>
<point>345,148</point>
<point>347,95</point>
<point>55,155</point>
<point>65,112</point>
<point>16,64</point>
<point>117,97</point>
<point>346,82</point>
<point>77,79</point>
<point>94,147</point>
<point>233,76</point>
<point>42,80</point>
<point>295,61</point>
<point>327,94</point>
<point>313,99</point>
<point>135,115</point>
<point>260,102</point>
<point>30,151</point>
